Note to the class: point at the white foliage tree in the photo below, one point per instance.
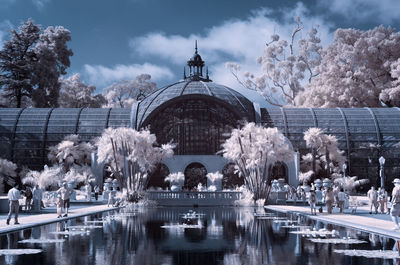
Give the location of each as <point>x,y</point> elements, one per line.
<point>76,94</point>
<point>286,66</point>
<point>253,148</point>
<point>74,158</point>
<point>7,173</point>
<point>214,177</point>
<point>70,152</point>
<point>325,152</point>
<point>130,155</point>
<point>126,92</point>
<point>175,180</point>
<point>47,178</point>
<point>359,69</point>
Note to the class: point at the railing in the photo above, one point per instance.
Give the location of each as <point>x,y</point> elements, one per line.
<point>182,198</point>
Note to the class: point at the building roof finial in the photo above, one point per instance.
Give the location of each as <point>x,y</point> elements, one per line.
<point>184,72</point>
<point>195,46</point>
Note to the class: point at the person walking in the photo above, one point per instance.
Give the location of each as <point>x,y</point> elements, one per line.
<point>312,200</point>
<point>13,196</point>
<point>96,192</point>
<point>37,195</point>
<point>341,199</point>
<point>395,210</point>
<point>65,193</point>
<point>329,199</point>
<point>382,200</point>
<point>373,200</point>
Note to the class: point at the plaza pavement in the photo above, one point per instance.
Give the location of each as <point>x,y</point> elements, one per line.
<point>380,224</point>
<point>49,215</point>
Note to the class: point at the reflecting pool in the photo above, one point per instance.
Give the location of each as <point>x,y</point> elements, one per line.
<point>220,235</point>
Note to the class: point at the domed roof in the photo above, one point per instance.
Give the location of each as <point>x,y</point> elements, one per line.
<point>192,89</point>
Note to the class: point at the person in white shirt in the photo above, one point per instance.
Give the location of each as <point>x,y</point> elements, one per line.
<point>13,196</point>
<point>395,211</point>
<point>341,199</point>
<point>373,200</point>
<point>65,194</point>
<point>37,198</point>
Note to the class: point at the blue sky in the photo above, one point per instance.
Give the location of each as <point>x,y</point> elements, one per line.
<point>114,40</point>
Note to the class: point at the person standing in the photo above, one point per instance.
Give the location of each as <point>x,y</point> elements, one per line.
<point>65,193</point>
<point>28,199</point>
<point>37,198</point>
<point>382,199</point>
<point>329,199</point>
<point>341,199</point>
<point>110,198</point>
<point>313,201</point>
<point>13,196</point>
<point>395,210</point>
<point>88,192</point>
<point>96,192</point>
<point>373,200</point>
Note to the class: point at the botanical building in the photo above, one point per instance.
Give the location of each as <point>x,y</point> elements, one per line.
<point>198,115</point>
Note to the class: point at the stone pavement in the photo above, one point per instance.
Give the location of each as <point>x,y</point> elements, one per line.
<point>361,220</point>
<point>49,215</point>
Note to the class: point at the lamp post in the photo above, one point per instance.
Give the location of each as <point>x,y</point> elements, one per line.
<point>381,171</point>
<point>344,176</point>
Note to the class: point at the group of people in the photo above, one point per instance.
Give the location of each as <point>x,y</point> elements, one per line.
<point>330,196</point>
<point>378,200</point>
<point>15,194</point>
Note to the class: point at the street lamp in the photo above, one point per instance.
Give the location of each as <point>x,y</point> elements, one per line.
<point>381,172</point>
<point>344,175</point>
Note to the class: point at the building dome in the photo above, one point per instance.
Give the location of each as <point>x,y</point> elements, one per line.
<point>193,89</point>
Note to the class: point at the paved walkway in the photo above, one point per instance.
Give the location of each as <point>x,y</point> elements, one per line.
<point>361,220</point>
<point>49,215</point>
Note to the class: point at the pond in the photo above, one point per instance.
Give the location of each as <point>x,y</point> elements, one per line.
<point>223,235</point>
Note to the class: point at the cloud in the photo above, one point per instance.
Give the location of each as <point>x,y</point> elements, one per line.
<point>241,41</point>
<point>382,11</point>
<point>40,3</point>
<point>102,76</point>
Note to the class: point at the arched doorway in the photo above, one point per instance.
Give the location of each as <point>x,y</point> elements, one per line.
<point>195,173</point>
<point>278,170</point>
<point>157,176</point>
<point>230,179</point>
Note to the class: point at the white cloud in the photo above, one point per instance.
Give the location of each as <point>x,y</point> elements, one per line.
<point>241,41</point>
<point>102,76</point>
<point>40,3</point>
<point>382,11</point>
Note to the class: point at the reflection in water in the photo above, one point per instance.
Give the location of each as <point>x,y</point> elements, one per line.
<point>227,236</point>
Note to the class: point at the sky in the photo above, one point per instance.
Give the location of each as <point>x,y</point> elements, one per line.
<point>117,40</point>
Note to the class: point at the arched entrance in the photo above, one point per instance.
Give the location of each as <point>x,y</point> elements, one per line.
<point>230,179</point>
<point>157,176</point>
<point>278,170</point>
<point>195,173</point>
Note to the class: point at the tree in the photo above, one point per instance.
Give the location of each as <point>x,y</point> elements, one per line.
<point>74,159</point>
<point>285,67</point>
<point>130,155</point>
<point>253,148</point>
<point>31,63</point>
<point>71,153</point>
<point>359,69</point>
<point>126,92</point>
<point>7,173</point>
<point>325,154</point>
<point>76,94</point>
